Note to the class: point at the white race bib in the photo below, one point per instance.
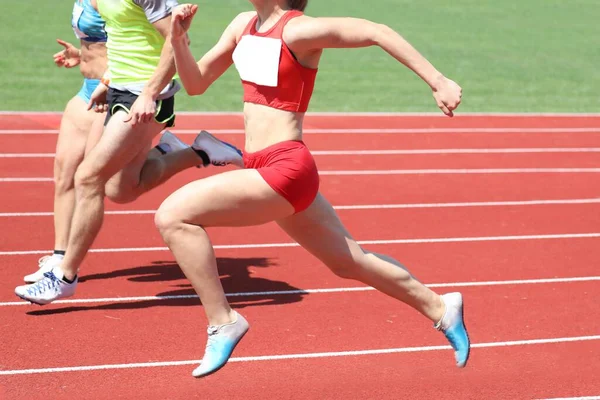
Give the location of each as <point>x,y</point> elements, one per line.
<point>257,60</point>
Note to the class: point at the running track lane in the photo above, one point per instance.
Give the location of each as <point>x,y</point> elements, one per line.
<point>341,120</point>
<point>361,189</point>
<point>276,269</point>
<point>295,328</point>
<point>13,167</point>
<point>541,371</point>
<point>124,231</point>
<point>288,325</point>
<point>27,142</point>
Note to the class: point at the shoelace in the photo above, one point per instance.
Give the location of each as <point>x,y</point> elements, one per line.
<point>50,282</point>
<point>43,261</point>
<point>212,336</point>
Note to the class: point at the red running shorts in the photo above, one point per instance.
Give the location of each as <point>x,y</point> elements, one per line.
<point>290,169</point>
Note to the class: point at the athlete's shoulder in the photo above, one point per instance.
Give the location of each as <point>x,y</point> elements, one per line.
<point>240,22</point>
<point>243,18</point>
<point>301,19</point>
<point>298,27</point>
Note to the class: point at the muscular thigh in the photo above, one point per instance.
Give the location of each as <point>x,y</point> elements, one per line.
<point>120,145</point>
<point>234,198</point>
<point>75,127</point>
<point>319,230</point>
<point>129,175</point>
<point>95,132</point>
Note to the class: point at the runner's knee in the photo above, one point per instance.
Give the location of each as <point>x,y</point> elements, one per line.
<point>167,223</point>
<point>87,181</point>
<point>66,162</point>
<point>64,174</point>
<point>171,218</point>
<point>163,221</point>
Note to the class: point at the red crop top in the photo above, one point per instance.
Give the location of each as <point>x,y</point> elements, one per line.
<point>270,73</point>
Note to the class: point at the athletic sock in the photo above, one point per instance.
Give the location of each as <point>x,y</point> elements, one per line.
<point>160,149</point>
<point>69,281</point>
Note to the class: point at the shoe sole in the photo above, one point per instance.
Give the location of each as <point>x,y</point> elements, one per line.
<point>30,301</point>
<point>462,316</point>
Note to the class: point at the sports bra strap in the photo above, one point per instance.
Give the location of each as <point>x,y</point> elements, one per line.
<point>276,31</point>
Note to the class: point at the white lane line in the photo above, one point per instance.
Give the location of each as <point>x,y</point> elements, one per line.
<point>299,356</point>
<point>362,207</point>
<point>527,150</point>
<point>356,113</point>
<point>312,291</point>
<point>351,131</point>
<point>460,171</point>
<point>26,179</point>
<point>469,204</point>
<point>449,171</point>
<point>27,155</point>
<point>573,398</point>
<point>362,242</point>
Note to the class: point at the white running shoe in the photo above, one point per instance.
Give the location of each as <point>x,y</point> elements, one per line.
<point>169,143</point>
<point>452,325</point>
<point>45,264</point>
<point>221,341</point>
<point>52,287</point>
<point>217,152</point>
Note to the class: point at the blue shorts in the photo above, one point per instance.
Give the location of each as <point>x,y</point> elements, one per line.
<point>89,85</point>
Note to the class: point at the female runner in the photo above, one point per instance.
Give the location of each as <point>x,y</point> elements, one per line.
<point>76,124</point>
<point>82,125</point>
<point>276,50</point>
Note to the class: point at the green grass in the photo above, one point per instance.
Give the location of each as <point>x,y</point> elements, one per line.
<point>509,55</point>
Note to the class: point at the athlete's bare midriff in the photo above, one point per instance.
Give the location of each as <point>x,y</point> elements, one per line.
<point>93,59</point>
<point>266,126</point>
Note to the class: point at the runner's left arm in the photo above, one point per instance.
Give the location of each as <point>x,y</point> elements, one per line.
<point>306,34</point>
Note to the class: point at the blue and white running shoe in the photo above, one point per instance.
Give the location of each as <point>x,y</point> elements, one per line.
<point>453,326</point>
<point>222,340</point>
<point>50,288</point>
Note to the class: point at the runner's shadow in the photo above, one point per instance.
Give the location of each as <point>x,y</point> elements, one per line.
<point>242,288</point>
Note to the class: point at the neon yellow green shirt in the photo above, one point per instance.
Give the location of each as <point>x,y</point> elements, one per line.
<point>134,45</point>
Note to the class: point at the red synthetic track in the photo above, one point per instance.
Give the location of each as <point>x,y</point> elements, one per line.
<point>469,247</point>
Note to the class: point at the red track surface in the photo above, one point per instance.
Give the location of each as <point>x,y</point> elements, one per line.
<point>143,329</point>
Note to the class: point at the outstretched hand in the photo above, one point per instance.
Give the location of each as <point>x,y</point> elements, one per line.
<point>181,19</point>
<point>68,57</point>
<point>447,95</point>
